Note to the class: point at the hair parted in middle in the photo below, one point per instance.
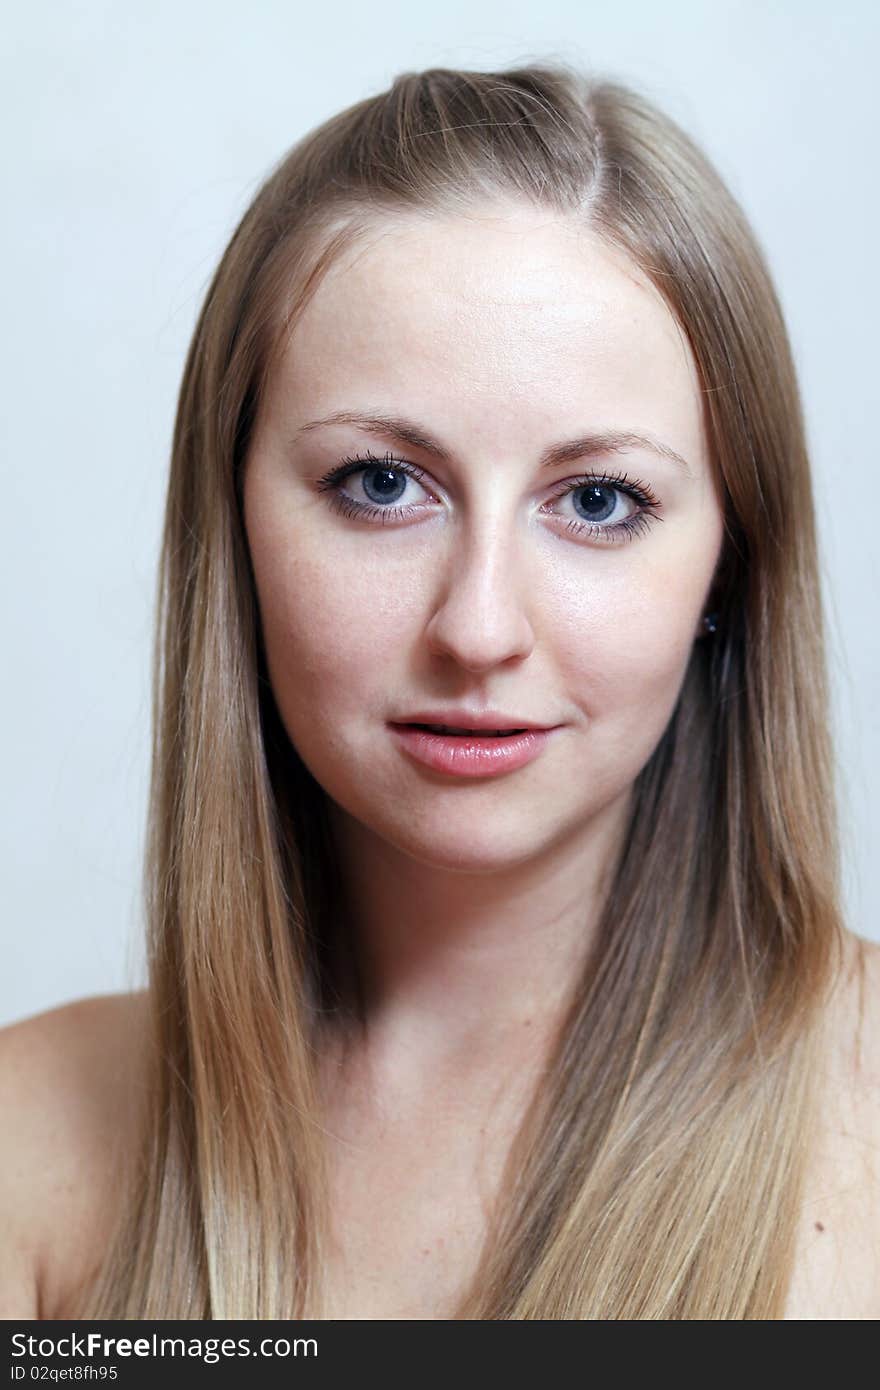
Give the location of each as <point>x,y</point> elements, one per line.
<point>657,1172</point>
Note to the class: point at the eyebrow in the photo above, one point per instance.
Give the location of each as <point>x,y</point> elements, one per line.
<point>569,451</point>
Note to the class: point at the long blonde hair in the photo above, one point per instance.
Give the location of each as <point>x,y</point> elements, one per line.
<point>657,1171</point>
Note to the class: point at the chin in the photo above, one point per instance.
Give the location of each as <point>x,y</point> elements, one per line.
<point>468,853</point>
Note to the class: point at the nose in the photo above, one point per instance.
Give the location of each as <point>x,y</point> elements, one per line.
<point>480,619</point>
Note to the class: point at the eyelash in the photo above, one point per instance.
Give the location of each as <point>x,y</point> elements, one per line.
<point>625,530</point>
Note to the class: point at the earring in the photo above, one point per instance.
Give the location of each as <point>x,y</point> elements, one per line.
<point>710,622</point>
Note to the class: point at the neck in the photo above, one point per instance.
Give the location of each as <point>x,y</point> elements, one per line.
<point>463,972</point>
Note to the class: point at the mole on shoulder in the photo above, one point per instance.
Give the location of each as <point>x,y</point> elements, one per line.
<point>819,1226</point>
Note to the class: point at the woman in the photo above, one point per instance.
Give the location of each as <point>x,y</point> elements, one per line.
<point>489,423</point>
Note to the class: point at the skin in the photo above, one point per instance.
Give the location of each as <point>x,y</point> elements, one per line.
<point>501,333</point>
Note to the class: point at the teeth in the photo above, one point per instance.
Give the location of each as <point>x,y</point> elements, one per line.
<point>475,733</point>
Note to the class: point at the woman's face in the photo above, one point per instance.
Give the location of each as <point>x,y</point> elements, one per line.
<point>508,582</point>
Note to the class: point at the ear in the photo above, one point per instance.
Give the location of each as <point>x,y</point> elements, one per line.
<point>710,614</point>
<point>710,617</point>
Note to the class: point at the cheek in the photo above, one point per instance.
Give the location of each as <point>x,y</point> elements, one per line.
<point>624,649</point>
<point>629,680</point>
<point>326,627</point>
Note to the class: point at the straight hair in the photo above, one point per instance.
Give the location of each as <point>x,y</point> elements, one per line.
<point>658,1168</point>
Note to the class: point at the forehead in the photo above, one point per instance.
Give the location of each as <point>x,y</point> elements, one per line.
<point>507,321</point>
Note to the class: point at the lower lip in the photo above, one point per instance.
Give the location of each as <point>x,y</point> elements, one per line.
<point>465,755</point>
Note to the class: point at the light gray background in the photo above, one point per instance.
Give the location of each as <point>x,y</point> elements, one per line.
<point>133,138</point>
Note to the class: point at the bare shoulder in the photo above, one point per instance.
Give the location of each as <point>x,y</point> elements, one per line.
<point>70,1083</point>
<point>837,1269</point>
<point>854,1039</point>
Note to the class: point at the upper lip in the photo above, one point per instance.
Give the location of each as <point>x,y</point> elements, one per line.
<point>473,719</point>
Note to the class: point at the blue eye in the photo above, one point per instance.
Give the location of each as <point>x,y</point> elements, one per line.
<point>596,497</point>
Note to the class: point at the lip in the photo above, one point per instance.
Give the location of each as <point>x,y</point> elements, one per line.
<point>461,755</point>
<point>471,719</point>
